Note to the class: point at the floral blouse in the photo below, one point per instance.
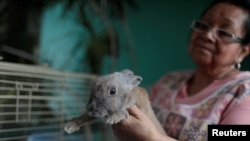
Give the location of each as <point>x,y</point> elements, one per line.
<point>186,118</point>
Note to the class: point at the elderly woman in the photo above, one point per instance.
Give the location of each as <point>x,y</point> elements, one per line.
<point>217,92</point>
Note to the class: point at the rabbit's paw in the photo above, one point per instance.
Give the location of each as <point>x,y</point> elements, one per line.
<point>71,127</point>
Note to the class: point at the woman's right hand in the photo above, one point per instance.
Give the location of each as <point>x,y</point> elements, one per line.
<point>138,127</point>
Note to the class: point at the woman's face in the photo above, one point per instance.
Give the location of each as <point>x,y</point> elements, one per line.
<point>207,49</point>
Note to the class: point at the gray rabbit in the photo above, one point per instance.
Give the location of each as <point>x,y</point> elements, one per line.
<point>109,99</point>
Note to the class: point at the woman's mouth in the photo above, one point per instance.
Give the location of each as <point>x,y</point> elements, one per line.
<point>204,47</point>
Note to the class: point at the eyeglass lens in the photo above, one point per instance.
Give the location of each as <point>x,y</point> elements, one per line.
<point>220,33</point>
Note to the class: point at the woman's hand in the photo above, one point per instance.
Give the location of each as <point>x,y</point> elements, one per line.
<point>138,127</point>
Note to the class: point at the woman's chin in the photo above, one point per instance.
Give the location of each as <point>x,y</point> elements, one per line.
<point>202,59</point>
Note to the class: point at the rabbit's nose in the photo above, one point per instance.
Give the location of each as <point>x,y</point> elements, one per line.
<point>92,107</point>
<point>93,111</point>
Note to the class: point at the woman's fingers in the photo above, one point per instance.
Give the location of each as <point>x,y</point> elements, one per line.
<point>136,112</point>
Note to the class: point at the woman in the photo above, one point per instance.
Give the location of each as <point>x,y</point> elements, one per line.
<point>217,92</point>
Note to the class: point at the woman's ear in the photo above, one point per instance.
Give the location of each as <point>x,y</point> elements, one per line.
<point>245,51</point>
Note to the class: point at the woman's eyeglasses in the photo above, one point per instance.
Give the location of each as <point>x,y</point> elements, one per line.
<point>221,34</point>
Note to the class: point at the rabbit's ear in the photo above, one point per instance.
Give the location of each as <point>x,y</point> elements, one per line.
<point>136,80</point>
<point>132,80</point>
<point>127,72</point>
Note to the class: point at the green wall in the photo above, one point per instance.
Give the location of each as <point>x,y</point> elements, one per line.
<point>161,31</point>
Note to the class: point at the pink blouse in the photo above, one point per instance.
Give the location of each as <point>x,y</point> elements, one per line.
<point>184,117</point>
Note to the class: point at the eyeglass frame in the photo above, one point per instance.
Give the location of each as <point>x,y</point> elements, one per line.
<point>234,38</point>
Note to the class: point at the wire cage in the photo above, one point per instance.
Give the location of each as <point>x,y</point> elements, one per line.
<point>35,103</point>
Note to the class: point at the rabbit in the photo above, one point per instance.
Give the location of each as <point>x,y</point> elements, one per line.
<point>109,99</point>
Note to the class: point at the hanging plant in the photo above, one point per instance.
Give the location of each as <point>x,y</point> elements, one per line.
<point>100,45</point>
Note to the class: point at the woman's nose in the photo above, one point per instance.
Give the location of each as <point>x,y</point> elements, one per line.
<point>209,35</point>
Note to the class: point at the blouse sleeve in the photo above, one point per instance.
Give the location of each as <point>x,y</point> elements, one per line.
<point>239,113</point>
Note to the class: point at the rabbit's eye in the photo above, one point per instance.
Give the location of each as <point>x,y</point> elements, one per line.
<point>112,91</point>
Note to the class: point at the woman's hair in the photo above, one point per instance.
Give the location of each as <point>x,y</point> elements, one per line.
<point>244,4</point>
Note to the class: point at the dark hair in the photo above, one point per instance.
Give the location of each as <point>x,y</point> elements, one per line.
<point>244,4</point>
